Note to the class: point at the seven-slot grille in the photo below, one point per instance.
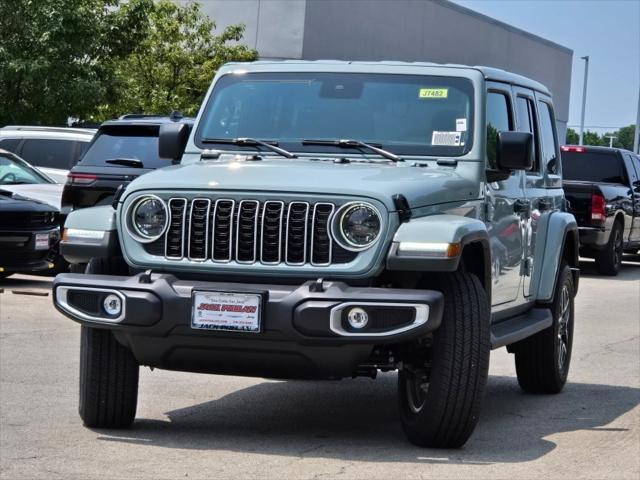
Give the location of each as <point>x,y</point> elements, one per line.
<point>249,231</point>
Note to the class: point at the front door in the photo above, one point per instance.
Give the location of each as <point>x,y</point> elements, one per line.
<point>504,205</point>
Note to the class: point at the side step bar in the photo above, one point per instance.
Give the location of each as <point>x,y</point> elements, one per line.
<point>517,328</point>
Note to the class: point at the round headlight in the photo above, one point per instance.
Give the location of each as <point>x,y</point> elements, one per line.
<point>357,226</point>
<point>149,218</point>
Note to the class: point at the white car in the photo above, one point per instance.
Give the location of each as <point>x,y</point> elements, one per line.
<point>19,177</point>
<point>53,150</point>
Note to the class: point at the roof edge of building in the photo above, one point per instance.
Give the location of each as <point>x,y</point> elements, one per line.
<point>506,26</point>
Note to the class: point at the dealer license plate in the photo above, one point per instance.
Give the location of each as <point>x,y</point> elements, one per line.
<point>42,241</point>
<point>237,312</point>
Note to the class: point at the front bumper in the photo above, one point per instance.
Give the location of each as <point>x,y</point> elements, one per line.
<point>296,340</point>
<point>19,252</point>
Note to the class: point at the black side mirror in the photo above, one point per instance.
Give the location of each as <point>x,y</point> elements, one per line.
<point>514,151</point>
<point>172,140</point>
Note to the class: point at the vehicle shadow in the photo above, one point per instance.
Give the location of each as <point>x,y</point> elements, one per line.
<point>358,421</point>
<point>629,271</point>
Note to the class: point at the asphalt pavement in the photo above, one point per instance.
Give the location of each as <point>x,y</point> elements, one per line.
<point>205,426</point>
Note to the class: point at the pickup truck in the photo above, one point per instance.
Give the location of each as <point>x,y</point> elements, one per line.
<point>602,188</point>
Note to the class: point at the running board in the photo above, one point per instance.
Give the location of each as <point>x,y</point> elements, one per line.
<point>517,328</point>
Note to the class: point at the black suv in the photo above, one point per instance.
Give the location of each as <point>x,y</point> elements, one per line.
<point>121,151</point>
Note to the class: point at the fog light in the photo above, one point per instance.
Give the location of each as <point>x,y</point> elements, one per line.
<point>357,318</point>
<point>112,305</point>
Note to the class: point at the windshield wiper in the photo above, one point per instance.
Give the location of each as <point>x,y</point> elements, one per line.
<point>350,143</point>
<point>273,146</point>
<point>127,162</point>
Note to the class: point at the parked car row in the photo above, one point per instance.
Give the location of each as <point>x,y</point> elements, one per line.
<point>74,168</point>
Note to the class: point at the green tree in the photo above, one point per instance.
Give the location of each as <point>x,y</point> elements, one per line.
<point>572,137</point>
<point>173,65</point>
<point>592,138</point>
<point>57,57</point>
<point>625,137</point>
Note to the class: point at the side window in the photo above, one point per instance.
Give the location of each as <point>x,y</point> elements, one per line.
<point>82,149</point>
<point>49,153</point>
<point>526,113</point>
<point>634,170</point>
<point>10,144</point>
<point>498,120</point>
<point>548,136</point>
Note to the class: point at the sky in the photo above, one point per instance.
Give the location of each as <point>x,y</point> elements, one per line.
<point>606,30</point>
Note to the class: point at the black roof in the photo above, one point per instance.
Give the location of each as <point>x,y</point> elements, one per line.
<point>596,148</point>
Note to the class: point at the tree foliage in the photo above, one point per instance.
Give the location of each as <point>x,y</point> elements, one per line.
<point>624,137</point>
<point>57,57</point>
<point>97,59</point>
<point>173,65</point>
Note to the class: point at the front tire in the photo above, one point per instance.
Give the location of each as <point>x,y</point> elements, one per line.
<point>440,401</point>
<point>108,371</point>
<point>108,381</point>
<point>609,260</point>
<point>542,360</point>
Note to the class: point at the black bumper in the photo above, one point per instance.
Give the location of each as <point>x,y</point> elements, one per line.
<point>296,339</point>
<point>18,252</point>
<point>593,237</point>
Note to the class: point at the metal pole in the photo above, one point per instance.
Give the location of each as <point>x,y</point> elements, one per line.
<point>611,137</point>
<point>584,96</point>
<point>636,138</point>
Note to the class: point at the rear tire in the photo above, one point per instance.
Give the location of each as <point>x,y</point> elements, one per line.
<point>542,360</point>
<point>440,409</point>
<point>609,260</point>
<point>108,381</point>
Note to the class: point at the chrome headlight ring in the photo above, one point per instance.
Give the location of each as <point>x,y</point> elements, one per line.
<point>134,230</point>
<point>349,240</point>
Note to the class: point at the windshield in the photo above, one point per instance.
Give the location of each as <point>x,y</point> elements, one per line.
<point>404,114</point>
<point>13,172</point>
<point>597,167</point>
<point>139,143</point>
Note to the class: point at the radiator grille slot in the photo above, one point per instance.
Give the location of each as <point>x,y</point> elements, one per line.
<point>270,232</point>
<point>271,245</point>
<point>174,238</point>
<point>223,230</point>
<point>199,228</point>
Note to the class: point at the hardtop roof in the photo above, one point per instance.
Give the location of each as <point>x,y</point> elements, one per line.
<point>489,73</point>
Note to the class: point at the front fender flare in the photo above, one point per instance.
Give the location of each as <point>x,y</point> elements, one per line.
<point>438,229</point>
<point>90,233</point>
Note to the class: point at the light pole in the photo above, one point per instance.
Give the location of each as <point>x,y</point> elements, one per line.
<point>584,96</point>
<point>636,137</point>
<point>611,137</point>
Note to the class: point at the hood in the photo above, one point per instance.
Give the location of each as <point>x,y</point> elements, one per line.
<point>49,193</point>
<point>421,185</point>
<point>11,202</point>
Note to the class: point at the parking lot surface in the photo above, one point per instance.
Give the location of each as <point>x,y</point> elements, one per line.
<point>201,426</point>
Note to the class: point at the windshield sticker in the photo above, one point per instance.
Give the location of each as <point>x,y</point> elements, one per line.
<point>449,139</point>
<point>433,93</point>
<point>461,124</point>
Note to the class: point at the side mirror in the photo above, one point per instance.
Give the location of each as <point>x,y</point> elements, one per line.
<point>172,140</point>
<point>514,151</point>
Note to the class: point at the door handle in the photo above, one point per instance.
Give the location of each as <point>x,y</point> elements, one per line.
<point>522,206</point>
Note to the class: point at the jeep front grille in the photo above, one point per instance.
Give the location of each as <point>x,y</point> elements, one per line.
<point>250,231</point>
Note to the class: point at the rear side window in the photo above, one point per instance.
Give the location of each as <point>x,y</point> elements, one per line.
<point>548,136</point>
<point>525,111</point>
<point>10,144</point>
<point>125,143</point>
<point>498,120</point>
<point>598,167</point>
<point>49,153</point>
